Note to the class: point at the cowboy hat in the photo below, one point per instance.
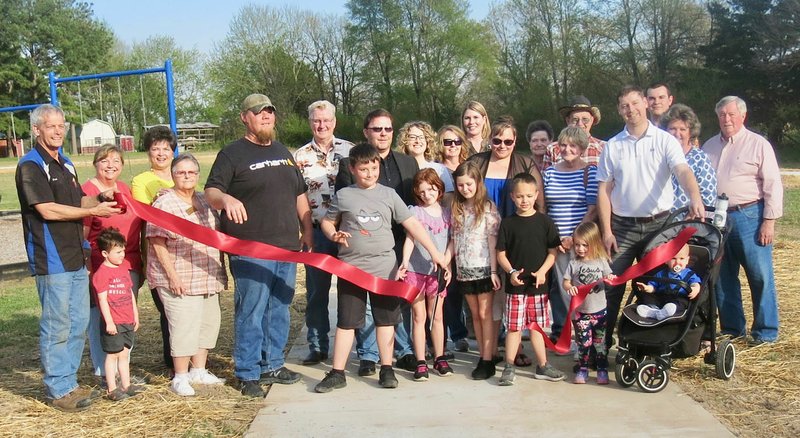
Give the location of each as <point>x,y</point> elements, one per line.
<point>580,103</point>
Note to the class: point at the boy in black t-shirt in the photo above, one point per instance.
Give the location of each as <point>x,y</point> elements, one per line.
<point>526,250</point>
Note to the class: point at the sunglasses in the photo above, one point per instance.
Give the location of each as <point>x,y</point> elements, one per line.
<point>450,143</point>
<point>377,129</point>
<point>497,142</point>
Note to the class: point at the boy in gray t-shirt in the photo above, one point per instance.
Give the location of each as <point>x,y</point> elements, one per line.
<point>364,213</point>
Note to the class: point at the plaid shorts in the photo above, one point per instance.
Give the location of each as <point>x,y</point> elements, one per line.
<point>521,310</point>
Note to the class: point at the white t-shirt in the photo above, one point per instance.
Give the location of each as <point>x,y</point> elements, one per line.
<point>641,170</point>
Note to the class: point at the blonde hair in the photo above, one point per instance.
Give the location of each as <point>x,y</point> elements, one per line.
<point>478,107</point>
<point>590,233</point>
<point>481,199</point>
<point>465,145</point>
<point>430,139</point>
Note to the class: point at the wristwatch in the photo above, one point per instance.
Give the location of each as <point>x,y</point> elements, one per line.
<point>512,270</point>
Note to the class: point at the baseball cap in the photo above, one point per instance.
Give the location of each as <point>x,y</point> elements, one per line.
<point>256,103</point>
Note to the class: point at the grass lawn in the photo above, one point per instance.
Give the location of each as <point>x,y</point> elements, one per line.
<point>135,163</point>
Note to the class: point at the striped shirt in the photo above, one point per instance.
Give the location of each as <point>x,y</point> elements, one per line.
<point>567,196</point>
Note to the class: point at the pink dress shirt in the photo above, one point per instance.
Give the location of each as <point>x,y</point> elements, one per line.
<point>747,170</point>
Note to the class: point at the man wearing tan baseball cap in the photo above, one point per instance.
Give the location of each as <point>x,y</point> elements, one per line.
<point>262,194</point>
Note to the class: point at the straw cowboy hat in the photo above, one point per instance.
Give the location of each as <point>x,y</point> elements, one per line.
<point>580,103</point>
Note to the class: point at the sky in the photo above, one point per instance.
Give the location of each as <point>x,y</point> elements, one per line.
<point>197,24</point>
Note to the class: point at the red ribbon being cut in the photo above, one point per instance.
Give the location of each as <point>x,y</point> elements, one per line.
<point>260,250</point>
<point>658,256</point>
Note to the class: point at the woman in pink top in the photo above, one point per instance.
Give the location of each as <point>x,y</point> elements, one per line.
<point>108,162</point>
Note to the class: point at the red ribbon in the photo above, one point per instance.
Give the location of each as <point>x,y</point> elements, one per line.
<point>263,251</point>
<point>658,256</point>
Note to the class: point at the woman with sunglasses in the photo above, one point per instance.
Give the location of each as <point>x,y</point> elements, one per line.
<point>498,167</point>
<point>453,147</point>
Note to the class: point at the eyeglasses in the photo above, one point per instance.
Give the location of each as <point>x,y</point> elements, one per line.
<point>186,173</point>
<point>581,121</point>
<point>452,143</point>
<point>497,142</point>
<point>416,138</point>
<point>378,129</point>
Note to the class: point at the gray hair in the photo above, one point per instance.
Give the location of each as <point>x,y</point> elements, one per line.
<point>40,111</point>
<point>321,105</point>
<point>684,114</point>
<point>184,157</point>
<point>740,104</point>
<point>575,135</point>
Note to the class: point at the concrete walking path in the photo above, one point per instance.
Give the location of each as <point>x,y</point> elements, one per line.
<point>460,406</point>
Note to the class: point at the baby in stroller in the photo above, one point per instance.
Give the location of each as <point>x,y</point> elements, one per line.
<point>665,299</point>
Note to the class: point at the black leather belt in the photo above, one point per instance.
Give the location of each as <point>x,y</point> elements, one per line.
<point>645,219</point>
<point>743,206</point>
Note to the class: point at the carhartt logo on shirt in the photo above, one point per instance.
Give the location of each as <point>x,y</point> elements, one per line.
<point>271,163</point>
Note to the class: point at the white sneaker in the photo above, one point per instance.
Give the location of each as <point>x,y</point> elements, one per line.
<point>201,376</point>
<point>181,387</point>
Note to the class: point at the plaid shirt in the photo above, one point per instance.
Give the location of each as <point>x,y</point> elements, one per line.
<point>319,169</point>
<point>201,268</point>
<point>591,155</point>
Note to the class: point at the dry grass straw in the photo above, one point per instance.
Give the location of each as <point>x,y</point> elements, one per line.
<point>218,411</point>
<point>763,396</point>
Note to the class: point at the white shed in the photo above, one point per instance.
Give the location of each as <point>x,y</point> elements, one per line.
<point>95,133</point>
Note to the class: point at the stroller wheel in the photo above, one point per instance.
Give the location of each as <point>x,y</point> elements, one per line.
<point>651,377</point>
<point>725,360</point>
<point>625,372</point>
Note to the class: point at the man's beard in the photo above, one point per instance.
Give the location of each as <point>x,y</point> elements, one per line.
<point>265,135</point>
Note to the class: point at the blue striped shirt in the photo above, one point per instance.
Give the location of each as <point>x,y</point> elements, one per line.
<point>568,198</point>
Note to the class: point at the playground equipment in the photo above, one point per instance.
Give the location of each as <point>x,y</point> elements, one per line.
<point>54,81</point>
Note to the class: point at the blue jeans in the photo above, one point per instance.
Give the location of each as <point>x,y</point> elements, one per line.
<point>454,313</point>
<point>62,328</point>
<point>631,238</point>
<point>367,343</point>
<point>95,347</point>
<point>743,250</point>
<point>318,285</point>
<point>262,294</point>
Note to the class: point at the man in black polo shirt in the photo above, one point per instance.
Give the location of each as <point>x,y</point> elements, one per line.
<point>53,207</point>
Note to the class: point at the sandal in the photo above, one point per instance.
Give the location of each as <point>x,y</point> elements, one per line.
<point>522,360</point>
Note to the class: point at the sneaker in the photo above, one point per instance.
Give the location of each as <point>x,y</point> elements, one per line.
<point>507,378</point>
<point>547,372</point>
<point>462,345</point>
<point>407,362</point>
<point>581,376</point>
<point>78,400</point>
<point>202,376</point>
<point>448,355</point>
<point>421,373</point>
<point>251,388</point>
<point>314,357</point>
<point>481,371</point>
<point>117,395</point>
<point>135,389</point>
<point>139,380</point>
<point>366,368</point>
<point>602,377</point>
<point>386,378</point>
<point>282,375</point>
<point>333,380</point>
<point>181,387</point>
<point>442,367</point>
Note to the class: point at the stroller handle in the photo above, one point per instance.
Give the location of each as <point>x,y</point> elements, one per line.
<point>681,212</point>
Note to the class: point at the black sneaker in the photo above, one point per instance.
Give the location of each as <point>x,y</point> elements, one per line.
<point>481,371</point>
<point>282,375</point>
<point>421,372</point>
<point>448,355</point>
<point>366,368</point>
<point>333,380</point>
<point>407,362</point>
<point>386,378</point>
<point>442,366</point>
<point>462,345</point>
<point>251,388</point>
<point>314,357</point>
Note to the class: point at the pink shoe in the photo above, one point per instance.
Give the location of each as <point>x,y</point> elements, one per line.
<point>581,376</point>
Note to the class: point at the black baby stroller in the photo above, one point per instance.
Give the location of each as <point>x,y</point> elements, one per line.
<point>646,346</point>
